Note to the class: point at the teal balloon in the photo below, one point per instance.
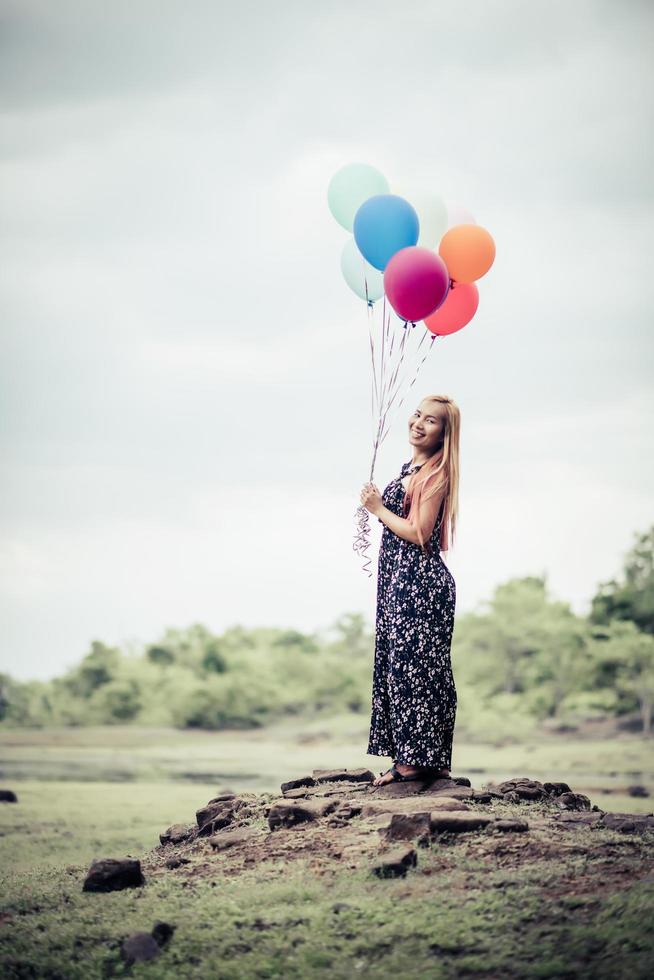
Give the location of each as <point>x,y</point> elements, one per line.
<point>359,274</point>
<point>350,187</point>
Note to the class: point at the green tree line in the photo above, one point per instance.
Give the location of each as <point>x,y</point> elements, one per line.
<point>521,651</point>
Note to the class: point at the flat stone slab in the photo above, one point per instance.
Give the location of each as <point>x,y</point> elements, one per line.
<point>349,775</point>
<point>458,823</point>
<point>412,804</point>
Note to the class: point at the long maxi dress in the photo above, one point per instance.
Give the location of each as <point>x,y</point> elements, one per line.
<point>413,692</point>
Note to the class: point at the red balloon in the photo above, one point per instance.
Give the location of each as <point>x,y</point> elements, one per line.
<point>416,282</point>
<point>458,309</point>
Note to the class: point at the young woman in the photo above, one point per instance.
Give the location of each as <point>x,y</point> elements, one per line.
<point>413,694</point>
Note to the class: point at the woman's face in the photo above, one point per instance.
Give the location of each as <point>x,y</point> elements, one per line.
<point>425,427</point>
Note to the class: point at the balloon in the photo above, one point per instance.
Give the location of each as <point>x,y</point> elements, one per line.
<point>383,225</point>
<point>350,187</point>
<point>416,281</point>
<point>459,307</point>
<point>456,215</point>
<point>431,211</point>
<point>468,252</point>
<point>358,273</point>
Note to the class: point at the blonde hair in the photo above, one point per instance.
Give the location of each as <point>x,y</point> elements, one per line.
<point>441,470</point>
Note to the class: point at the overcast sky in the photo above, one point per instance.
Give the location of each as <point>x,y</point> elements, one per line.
<point>185,385</point>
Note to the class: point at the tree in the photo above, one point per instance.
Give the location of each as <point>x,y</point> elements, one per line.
<point>97,668</point>
<point>631,598</point>
<point>351,637</point>
<point>160,655</point>
<point>627,655</point>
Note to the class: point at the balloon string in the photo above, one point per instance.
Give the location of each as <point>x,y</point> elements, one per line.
<point>401,382</point>
<point>384,390</point>
<point>374,392</point>
<point>413,381</point>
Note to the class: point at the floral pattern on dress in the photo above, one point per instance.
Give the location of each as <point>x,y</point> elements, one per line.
<point>414,697</point>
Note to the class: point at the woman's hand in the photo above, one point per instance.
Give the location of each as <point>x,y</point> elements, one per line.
<point>371,498</point>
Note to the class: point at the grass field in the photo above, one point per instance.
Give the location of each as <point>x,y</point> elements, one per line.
<point>89,793</point>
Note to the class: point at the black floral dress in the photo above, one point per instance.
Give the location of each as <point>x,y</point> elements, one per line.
<point>413,693</point>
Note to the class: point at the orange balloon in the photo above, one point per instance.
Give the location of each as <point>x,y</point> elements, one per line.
<point>468,252</point>
<point>459,307</point>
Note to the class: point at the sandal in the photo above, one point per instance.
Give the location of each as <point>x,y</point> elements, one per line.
<point>399,777</point>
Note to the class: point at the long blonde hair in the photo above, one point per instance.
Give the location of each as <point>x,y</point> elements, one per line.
<point>440,470</point>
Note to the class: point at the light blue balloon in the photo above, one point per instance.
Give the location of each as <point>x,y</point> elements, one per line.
<point>383,225</point>
<point>350,187</point>
<point>358,273</point>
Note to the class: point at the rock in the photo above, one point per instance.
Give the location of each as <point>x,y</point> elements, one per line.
<point>513,824</point>
<point>521,788</point>
<point>216,815</point>
<point>346,810</point>
<point>628,823</point>
<point>8,796</point>
<point>570,820</point>
<point>341,906</point>
<point>450,789</point>
<point>289,813</point>
<point>350,808</point>
<point>458,823</point>
<point>637,791</point>
<point>176,833</point>
<point>412,804</point>
<point>408,826</point>
<point>297,783</point>
<point>176,862</point>
<point>556,789</point>
<point>573,801</point>
<point>223,797</point>
<point>461,780</point>
<point>112,874</point>
<point>162,932</point>
<point>395,863</point>
<point>336,775</point>
<point>422,788</point>
<point>146,945</point>
<point>486,795</point>
<point>138,947</point>
<point>228,838</point>
<point>297,793</point>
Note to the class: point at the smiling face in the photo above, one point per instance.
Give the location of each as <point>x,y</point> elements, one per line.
<point>425,427</point>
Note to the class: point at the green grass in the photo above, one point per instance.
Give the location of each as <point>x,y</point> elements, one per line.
<point>447,918</point>
<point>460,913</point>
<point>261,759</point>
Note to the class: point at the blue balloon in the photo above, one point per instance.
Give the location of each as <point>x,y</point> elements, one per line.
<point>383,225</point>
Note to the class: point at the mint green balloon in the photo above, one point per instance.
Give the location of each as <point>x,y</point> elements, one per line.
<point>350,187</point>
<point>358,273</point>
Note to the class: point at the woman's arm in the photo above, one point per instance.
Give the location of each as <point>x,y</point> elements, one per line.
<point>404,528</point>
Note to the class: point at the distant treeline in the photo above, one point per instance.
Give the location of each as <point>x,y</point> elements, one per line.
<point>521,653</point>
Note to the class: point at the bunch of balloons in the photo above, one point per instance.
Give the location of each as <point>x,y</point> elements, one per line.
<point>424,257</point>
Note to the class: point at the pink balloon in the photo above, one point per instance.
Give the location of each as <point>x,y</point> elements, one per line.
<point>458,309</point>
<point>416,282</point>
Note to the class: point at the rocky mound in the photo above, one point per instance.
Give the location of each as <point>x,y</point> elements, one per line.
<point>336,817</point>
